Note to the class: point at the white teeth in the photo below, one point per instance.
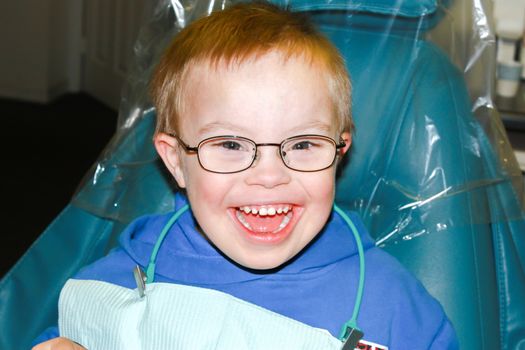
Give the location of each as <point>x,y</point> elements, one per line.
<point>243,221</point>
<point>267,210</point>
<point>285,222</point>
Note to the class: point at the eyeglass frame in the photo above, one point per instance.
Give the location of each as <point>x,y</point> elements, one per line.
<point>187,148</point>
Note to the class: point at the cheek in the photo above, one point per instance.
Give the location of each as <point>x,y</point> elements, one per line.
<point>205,188</point>
<point>322,187</point>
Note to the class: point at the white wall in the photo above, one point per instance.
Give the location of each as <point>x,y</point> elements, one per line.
<point>111,29</point>
<point>39,48</point>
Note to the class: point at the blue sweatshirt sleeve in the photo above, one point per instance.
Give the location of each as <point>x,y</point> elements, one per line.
<point>48,334</point>
<point>445,337</point>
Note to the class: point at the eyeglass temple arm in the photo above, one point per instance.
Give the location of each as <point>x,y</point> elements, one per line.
<point>184,145</point>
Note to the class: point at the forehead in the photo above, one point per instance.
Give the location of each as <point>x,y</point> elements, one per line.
<point>266,95</point>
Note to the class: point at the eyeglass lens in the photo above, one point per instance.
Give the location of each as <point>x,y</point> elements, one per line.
<point>309,153</point>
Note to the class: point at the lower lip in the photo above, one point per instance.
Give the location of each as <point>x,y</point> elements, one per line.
<point>268,238</point>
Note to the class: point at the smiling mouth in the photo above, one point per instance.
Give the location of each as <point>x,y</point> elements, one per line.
<point>268,219</point>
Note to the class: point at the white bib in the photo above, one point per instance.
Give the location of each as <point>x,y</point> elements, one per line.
<point>104,316</point>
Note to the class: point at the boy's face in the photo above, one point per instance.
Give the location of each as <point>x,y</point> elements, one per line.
<point>266,100</point>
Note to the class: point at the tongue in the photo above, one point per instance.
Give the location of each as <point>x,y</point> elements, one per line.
<point>264,223</point>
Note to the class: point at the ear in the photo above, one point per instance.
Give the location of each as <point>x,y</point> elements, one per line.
<point>347,138</point>
<point>170,152</point>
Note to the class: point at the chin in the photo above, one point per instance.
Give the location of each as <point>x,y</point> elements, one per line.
<point>263,263</point>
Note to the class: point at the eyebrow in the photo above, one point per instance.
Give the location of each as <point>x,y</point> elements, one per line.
<point>318,125</point>
<point>220,125</point>
<point>210,127</point>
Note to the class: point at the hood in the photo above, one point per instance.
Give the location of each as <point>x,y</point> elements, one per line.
<point>187,257</point>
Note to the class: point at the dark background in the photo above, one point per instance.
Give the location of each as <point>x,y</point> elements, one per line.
<point>45,151</point>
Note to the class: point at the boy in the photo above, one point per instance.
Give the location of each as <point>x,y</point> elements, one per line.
<point>253,117</point>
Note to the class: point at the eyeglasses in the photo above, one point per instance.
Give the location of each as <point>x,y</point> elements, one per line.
<point>233,154</point>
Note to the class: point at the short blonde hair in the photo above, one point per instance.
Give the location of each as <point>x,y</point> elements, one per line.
<point>240,32</point>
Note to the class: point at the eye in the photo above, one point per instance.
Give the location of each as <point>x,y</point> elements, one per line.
<point>302,145</point>
<point>231,145</point>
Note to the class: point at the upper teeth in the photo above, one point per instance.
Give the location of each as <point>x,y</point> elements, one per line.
<point>266,210</point>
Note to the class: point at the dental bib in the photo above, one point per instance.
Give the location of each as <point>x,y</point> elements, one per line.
<point>100,315</point>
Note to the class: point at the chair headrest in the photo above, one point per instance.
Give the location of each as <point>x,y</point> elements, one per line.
<point>401,16</point>
<point>405,8</point>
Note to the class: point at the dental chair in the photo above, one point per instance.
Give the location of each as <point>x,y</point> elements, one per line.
<point>430,171</point>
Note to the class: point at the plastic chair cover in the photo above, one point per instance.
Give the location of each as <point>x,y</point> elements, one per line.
<point>430,171</point>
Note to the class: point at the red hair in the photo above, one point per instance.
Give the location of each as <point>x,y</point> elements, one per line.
<point>241,32</point>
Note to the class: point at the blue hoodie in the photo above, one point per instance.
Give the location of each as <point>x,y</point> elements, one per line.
<point>317,287</point>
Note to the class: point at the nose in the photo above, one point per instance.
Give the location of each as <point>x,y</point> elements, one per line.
<point>268,169</point>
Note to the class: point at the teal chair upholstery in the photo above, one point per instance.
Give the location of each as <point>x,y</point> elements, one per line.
<point>429,185</point>
<point>421,172</point>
